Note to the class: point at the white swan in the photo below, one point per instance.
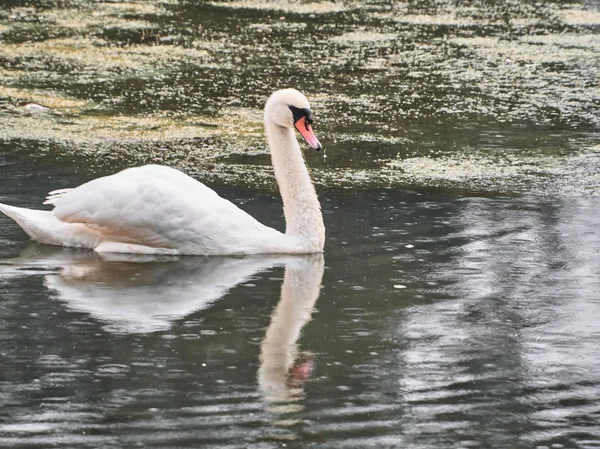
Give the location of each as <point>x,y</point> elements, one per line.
<point>160,210</point>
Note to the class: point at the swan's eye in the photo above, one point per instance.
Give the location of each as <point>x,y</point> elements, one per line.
<point>309,118</point>
<point>299,113</point>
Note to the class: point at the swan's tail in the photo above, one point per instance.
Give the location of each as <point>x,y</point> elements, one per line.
<point>42,226</point>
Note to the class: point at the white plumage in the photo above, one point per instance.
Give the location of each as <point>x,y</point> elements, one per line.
<point>160,210</point>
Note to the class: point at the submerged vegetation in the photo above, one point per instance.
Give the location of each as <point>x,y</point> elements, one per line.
<point>476,95</point>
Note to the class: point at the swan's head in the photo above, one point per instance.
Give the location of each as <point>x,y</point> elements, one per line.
<point>289,108</point>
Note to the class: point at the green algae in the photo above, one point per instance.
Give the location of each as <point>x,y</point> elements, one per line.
<point>404,94</point>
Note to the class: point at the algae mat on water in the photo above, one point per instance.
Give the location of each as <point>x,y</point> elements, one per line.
<point>476,95</point>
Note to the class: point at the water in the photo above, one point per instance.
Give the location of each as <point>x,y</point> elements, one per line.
<point>442,320</point>
<point>456,304</point>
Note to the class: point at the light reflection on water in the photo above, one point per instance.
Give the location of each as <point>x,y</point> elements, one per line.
<point>493,342</point>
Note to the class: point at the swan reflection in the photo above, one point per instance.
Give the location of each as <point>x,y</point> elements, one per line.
<point>136,293</point>
<point>143,294</point>
<point>283,369</point>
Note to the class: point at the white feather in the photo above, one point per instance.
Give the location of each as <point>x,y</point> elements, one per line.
<point>55,195</point>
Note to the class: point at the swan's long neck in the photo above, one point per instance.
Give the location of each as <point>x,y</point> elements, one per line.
<point>301,206</point>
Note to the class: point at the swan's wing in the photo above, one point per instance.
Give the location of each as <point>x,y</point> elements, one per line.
<point>158,207</point>
<point>55,195</point>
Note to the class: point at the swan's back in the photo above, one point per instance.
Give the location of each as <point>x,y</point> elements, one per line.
<point>161,207</point>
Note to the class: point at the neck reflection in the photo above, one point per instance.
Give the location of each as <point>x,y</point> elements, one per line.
<point>283,368</point>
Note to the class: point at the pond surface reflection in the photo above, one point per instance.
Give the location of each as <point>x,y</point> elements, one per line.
<point>136,293</point>
<point>440,321</point>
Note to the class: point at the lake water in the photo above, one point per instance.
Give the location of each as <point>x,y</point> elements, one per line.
<point>457,304</point>
<point>442,321</point>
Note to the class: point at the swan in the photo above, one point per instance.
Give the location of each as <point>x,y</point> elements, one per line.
<point>154,209</point>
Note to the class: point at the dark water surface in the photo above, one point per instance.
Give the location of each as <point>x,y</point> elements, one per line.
<point>442,321</point>
<point>457,304</point>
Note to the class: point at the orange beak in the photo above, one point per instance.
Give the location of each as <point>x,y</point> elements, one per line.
<point>306,130</point>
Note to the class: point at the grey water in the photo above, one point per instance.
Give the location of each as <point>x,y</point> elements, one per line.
<point>457,303</point>
<point>441,321</point>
